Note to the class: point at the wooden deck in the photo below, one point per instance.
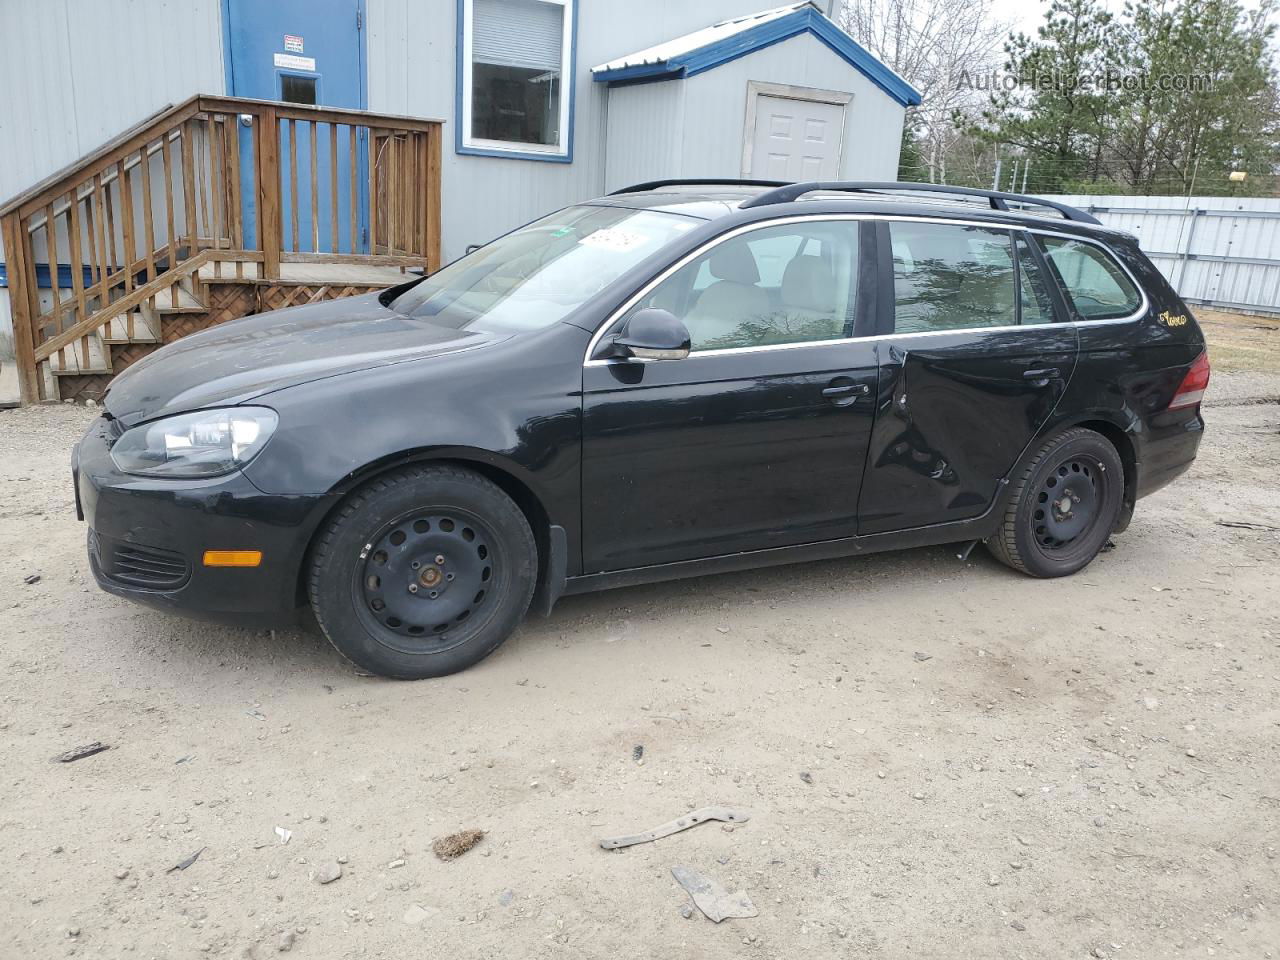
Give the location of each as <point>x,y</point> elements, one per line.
<point>153,225</point>
<point>351,274</point>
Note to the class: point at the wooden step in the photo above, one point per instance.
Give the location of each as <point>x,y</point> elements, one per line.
<point>69,361</point>
<point>209,273</point>
<point>145,329</point>
<point>186,302</point>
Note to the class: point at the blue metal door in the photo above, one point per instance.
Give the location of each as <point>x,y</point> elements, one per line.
<point>309,52</point>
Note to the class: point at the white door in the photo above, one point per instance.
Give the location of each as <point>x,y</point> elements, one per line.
<point>796,139</point>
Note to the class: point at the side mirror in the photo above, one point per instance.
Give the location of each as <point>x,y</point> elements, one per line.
<point>653,334</point>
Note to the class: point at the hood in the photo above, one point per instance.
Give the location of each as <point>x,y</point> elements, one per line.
<point>242,359</point>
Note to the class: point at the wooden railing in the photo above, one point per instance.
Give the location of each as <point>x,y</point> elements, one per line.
<point>239,184</point>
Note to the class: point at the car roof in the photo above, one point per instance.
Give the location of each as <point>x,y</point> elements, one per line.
<point>713,201</point>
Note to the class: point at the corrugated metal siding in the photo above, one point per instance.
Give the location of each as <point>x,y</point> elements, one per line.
<point>1233,244</point>
<point>76,73</point>
<point>412,60</point>
<point>644,140</point>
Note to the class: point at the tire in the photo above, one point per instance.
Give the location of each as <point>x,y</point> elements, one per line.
<point>422,572</point>
<point>1063,507</point>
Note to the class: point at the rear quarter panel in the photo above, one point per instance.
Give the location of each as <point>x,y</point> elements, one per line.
<point>1128,372</point>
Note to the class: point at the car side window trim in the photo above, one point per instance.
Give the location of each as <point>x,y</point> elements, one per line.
<point>878,314</point>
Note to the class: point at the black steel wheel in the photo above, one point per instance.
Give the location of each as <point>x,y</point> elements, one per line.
<point>1063,507</point>
<point>423,572</point>
<point>425,575</point>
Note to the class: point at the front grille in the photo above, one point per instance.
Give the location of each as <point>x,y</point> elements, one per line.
<point>139,566</point>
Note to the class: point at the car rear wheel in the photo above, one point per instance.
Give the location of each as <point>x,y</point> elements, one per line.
<point>423,572</point>
<point>1063,507</point>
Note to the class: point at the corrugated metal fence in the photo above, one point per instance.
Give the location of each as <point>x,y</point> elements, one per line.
<point>1216,251</point>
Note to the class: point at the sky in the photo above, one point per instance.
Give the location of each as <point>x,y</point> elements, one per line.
<point>1024,15</point>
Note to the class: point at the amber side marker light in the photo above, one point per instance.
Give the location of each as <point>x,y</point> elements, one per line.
<point>232,558</point>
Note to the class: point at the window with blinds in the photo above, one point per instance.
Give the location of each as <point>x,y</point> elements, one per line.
<point>515,74</point>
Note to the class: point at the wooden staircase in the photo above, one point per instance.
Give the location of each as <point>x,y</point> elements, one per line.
<point>140,326</point>
<point>153,229</point>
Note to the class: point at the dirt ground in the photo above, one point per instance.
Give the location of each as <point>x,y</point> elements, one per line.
<point>941,759</point>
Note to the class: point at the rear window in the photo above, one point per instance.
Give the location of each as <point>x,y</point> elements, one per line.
<point>1095,283</point>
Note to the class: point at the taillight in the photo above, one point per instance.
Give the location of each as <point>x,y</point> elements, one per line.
<point>1191,391</point>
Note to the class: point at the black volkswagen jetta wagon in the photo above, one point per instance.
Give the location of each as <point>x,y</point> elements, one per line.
<point>677,379</point>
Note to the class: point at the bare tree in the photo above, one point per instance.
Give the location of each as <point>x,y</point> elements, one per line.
<point>933,45</point>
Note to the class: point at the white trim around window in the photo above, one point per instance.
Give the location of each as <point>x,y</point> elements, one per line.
<point>464,143</point>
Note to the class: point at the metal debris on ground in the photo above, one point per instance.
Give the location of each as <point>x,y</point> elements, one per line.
<point>284,834</point>
<point>456,844</point>
<point>922,657</point>
<point>637,752</point>
<point>727,814</point>
<point>31,578</point>
<point>711,898</point>
<point>183,864</point>
<point>1243,525</point>
<point>79,753</point>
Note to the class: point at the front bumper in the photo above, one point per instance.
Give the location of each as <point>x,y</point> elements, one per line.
<point>147,538</point>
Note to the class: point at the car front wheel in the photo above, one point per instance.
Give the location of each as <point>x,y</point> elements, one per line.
<point>1063,507</point>
<point>423,572</point>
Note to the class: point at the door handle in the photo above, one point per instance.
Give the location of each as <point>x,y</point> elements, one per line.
<point>845,389</point>
<point>1042,373</point>
<point>843,394</point>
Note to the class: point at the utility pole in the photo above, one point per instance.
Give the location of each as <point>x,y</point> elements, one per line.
<point>1026,165</point>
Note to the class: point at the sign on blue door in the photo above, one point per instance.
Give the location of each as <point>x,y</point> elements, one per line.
<point>308,52</point>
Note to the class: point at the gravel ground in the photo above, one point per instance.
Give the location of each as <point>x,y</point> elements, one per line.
<point>941,758</point>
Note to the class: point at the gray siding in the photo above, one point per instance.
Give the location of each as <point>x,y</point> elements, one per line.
<point>694,127</point>
<point>82,72</point>
<point>76,73</point>
<point>412,63</point>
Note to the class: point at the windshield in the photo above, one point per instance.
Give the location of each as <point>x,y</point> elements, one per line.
<point>539,274</point>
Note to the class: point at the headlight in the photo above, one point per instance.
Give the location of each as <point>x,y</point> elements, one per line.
<point>207,443</point>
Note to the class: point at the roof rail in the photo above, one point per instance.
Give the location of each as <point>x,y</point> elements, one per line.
<point>708,182</point>
<point>998,200</point>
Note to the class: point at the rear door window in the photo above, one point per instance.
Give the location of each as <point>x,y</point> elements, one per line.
<point>1097,286</point>
<point>951,277</point>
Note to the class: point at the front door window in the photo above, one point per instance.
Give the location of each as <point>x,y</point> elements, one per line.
<point>795,283</point>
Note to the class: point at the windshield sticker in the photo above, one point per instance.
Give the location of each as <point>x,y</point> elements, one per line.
<point>611,238</point>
